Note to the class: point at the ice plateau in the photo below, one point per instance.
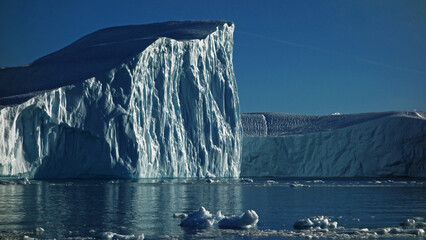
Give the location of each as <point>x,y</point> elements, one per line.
<point>156,100</point>
<point>388,144</point>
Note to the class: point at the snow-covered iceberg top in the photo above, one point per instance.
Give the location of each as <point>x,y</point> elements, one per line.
<point>95,53</point>
<point>156,100</point>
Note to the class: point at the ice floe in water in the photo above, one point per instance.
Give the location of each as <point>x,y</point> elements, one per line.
<point>202,219</point>
<point>21,181</point>
<point>116,236</point>
<point>180,215</point>
<point>320,221</point>
<point>246,220</point>
<point>246,180</point>
<point>199,219</point>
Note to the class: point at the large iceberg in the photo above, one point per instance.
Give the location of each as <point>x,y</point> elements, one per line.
<point>156,100</point>
<point>388,144</point>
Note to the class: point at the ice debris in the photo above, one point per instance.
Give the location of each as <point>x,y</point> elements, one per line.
<point>209,180</point>
<point>320,221</point>
<point>246,180</point>
<point>296,184</point>
<point>203,219</point>
<point>21,181</point>
<point>180,215</point>
<point>199,219</point>
<point>116,236</point>
<point>316,227</point>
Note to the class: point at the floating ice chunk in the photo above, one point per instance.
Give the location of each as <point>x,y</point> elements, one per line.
<point>116,236</point>
<point>298,185</point>
<point>21,181</point>
<point>29,238</point>
<point>420,225</point>
<point>408,223</point>
<point>304,223</point>
<point>199,219</point>
<point>383,231</point>
<point>246,220</point>
<point>333,225</point>
<point>203,219</point>
<point>418,232</point>
<point>271,182</point>
<point>180,215</point>
<point>320,222</point>
<point>395,231</point>
<point>246,180</point>
<point>211,181</point>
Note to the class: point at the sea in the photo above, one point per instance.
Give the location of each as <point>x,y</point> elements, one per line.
<point>145,208</point>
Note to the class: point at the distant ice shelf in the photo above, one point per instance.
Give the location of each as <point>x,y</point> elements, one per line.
<point>388,144</point>
<point>143,101</point>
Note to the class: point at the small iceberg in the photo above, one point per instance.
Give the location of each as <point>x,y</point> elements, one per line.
<point>199,219</point>
<point>246,220</point>
<point>203,219</point>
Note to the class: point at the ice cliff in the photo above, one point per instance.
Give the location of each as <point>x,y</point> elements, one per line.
<point>389,144</point>
<point>156,100</point>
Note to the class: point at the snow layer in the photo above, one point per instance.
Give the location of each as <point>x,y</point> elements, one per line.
<point>344,145</point>
<point>155,100</point>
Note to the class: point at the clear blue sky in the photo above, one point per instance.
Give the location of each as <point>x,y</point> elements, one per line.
<point>309,57</point>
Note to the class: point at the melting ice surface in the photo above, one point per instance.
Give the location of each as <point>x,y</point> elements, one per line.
<point>136,209</point>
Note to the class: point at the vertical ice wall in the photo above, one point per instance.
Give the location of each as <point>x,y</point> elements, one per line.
<point>170,111</point>
<point>389,144</point>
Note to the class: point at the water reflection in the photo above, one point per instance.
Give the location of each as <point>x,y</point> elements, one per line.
<point>88,208</point>
<point>132,207</point>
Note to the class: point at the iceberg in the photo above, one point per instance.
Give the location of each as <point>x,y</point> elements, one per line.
<point>388,144</point>
<point>142,101</point>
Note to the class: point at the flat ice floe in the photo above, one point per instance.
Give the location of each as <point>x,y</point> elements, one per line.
<point>203,219</point>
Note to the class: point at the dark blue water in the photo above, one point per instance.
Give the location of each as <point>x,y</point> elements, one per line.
<point>87,209</point>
